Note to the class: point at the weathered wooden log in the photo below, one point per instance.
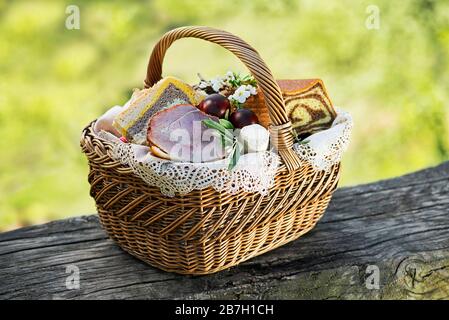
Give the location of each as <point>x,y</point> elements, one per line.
<point>395,231</point>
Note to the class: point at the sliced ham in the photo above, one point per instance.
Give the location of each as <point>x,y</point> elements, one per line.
<point>179,134</point>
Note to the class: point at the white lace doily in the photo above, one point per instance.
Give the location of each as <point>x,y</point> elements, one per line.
<point>325,148</point>
<point>254,172</point>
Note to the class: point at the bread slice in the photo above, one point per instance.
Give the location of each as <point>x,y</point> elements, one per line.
<point>132,123</point>
<point>307,104</point>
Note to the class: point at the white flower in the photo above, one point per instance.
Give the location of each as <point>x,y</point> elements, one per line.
<point>230,76</point>
<point>240,95</point>
<point>203,84</point>
<point>252,90</point>
<point>217,83</point>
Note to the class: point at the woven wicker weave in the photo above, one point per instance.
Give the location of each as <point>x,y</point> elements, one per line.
<point>207,231</point>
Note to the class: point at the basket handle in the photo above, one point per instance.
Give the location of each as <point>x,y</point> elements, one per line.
<point>281,135</point>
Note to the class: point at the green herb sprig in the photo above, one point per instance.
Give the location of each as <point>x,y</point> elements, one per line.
<point>224,128</point>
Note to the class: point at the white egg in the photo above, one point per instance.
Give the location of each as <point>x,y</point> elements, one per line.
<point>254,138</point>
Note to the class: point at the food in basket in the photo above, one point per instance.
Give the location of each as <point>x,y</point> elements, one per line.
<point>234,91</point>
<point>228,104</point>
<point>105,121</point>
<point>235,87</point>
<point>132,123</point>
<point>254,138</point>
<point>216,105</point>
<point>269,194</point>
<point>307,104</point>
<point>178,133</point>
<point>243,117</point>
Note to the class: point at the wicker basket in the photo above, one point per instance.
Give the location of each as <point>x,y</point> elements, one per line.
<point>207,231</point>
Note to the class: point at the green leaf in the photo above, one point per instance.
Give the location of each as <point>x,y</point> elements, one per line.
<point>225,123</point>
<point>253,82</point>
<point>217,126</point>
<point>249,79</point>
<point>226,136</point>
<point>223,140</point>
<point>214,125</point>
<point>239,105</point>
<point>227,114</point>
<point>235,156</point>
<point>234,83</point>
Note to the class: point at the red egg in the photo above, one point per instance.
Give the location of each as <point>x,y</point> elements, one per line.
<point>215,105</point>
<point>242,118</point>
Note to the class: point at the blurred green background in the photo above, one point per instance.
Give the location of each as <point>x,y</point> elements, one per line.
<point>53,81</point>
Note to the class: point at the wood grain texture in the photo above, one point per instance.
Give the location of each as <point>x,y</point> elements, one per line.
<point>399,225</point>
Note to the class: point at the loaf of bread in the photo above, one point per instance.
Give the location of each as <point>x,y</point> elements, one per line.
<point>133,122</point>
<point>307,104</point>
